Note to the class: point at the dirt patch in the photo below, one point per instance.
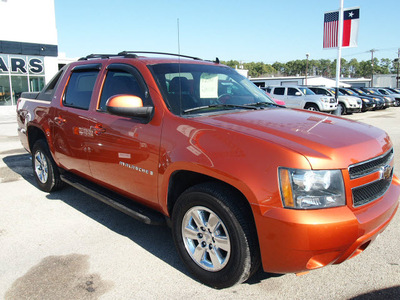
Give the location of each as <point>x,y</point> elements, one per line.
<point>59,277</point>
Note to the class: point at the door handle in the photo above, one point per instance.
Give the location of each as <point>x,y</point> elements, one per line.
<point>97,129</point>
<point>59,120</point>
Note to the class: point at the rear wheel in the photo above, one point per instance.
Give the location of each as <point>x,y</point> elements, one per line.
<point>215,235</point>
<point>45,169</point>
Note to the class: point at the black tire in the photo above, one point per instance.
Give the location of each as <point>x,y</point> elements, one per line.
<point>233,240</point>
<point>44,168</point>
<point>312,107</point>
<point>342,108</point>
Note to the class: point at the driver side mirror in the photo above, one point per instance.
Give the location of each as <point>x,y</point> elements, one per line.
<point>128,106</point>
<point>298,94</point>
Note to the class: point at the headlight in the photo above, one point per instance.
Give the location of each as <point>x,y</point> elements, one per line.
<point>308,189</point>
<point>324,99</point>
<point>388,98</point>
<point>365,100</point>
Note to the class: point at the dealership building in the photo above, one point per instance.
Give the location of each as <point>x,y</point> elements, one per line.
<point>28,47</point>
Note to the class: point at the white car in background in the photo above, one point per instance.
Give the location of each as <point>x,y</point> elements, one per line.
<point>302,97</point>
<point>347,104</point>
<point>391,93</point>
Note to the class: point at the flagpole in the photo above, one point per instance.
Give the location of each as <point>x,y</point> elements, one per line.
<point>339,57</point>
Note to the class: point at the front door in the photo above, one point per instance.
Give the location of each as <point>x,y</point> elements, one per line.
<point>294,99</point>
<point>124,151</point>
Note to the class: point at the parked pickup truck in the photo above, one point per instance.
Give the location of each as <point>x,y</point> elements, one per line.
<point>303,97</point>
<point>242,181</point>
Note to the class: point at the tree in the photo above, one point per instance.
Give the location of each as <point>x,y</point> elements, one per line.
<point>353,66</point>
<point>321,67</point>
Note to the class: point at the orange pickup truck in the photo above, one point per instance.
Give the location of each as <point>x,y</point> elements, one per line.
<point>242,182</point>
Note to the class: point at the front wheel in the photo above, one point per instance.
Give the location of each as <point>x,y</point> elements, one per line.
<point>215,235</point>
<point>342,109</point>
<point>45,169</point>
<point>312,107</point>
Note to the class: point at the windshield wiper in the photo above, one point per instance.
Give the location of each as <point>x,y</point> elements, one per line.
<point>265,103</point>
<point>219,105</point>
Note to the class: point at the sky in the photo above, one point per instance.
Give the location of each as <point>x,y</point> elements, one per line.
<point>248,31</point>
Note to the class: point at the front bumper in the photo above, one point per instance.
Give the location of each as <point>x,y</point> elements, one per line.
<point>328,106</point>
<point>293,241</point>
<point>353,109</point>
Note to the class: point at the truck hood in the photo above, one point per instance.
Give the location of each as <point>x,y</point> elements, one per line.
<point>326,141</point>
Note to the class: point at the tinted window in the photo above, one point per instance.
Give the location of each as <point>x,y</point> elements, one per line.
<point>279,91</point>
<point>49,89</point>
<point>319,91</point>
<point>119,83</point>
<point>306,91</point>
<point>79,89</point>
<point>292,92</point>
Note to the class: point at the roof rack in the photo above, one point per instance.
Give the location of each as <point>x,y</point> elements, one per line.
<point>99,56</point>
<point>124,53</point>
<point>133,54</point>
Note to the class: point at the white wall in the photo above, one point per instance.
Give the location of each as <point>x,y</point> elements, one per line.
<point>29,21</point>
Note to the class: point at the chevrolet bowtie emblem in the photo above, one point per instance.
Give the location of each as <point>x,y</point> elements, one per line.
<point>386,172</point>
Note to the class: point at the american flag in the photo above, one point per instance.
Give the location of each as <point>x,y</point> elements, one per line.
<point>351,18</point>
<point>331,25</point>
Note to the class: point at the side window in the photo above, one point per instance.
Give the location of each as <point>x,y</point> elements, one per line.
<point>292,92</point>
<point>279,91</point>
<point>80,88</point>
<point>49,89</point>
<point>119,82</point>
<point>323,92</point>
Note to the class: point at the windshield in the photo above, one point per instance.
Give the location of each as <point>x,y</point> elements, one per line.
<point>372,92</point>
<point>361,92</point>
<point>333,91</point>
<point>193,88</point>
<point>306,91</point>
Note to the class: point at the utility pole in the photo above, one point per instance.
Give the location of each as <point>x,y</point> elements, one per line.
<point>307,55</point>
<point>398,62</point>
<point>372,65</point>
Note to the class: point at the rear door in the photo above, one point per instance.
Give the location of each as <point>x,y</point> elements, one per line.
<point>70,120</point>
<point>278,93</point>
<point>124,152</point>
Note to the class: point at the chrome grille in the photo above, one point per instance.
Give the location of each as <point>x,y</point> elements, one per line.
<point>370,166</point>
<point>369,192</point>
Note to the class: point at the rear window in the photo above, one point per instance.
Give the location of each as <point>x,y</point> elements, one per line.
<point>279,91</point>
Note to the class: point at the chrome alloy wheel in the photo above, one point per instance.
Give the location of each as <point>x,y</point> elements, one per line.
<point>206,238</point>
<point>41,168</point>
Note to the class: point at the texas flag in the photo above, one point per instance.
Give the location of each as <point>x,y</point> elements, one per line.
<point>351,20</point>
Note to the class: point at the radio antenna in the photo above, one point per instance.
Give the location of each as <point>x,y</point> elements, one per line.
<point>179,43</point>
<point>179,71</point>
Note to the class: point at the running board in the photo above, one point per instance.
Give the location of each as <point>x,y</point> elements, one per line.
<point>125,205</point>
